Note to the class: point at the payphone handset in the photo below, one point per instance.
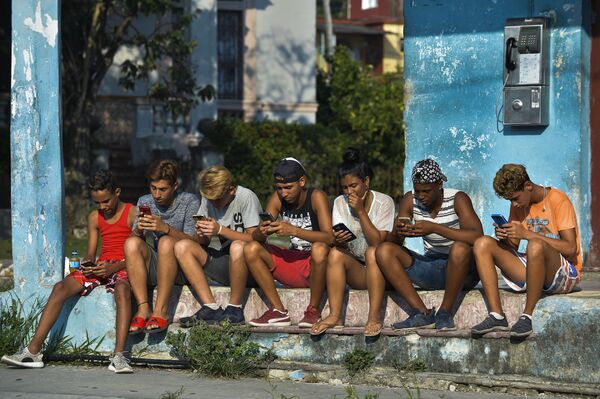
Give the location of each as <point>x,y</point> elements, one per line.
<point>526,71</point>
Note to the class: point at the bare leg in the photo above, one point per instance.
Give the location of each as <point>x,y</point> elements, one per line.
<point>191,258</point>
<point>259,262</point>
<point>488,252</point>
<point>122,296</point>
<point>318,269</point>
<point>166,270</point>
<point>392,260</point>
<point>137,258</point>
<point>61,291</point>
<point>543,262</point>
<point>238,272</point>
<point>375,286</point>
<point>459,262</point>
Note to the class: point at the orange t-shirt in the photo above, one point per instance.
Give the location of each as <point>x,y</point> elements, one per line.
<point>550,216</point>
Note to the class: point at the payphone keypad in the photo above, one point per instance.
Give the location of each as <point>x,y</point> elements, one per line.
<point>529,40</point>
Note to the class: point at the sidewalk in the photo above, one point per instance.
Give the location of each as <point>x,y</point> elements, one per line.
<point>90,382</point>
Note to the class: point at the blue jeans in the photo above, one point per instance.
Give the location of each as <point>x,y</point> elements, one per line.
<point>429,271</point>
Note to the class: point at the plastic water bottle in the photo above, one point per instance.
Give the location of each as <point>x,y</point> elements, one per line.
<point>74,261</point>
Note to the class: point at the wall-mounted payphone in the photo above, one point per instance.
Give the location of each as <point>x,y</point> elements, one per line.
<point>526,72</point>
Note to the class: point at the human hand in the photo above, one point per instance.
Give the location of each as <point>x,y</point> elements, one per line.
<point>282,228</point>
<point>356,203</point>
<point>515,230</point>
<point>420,228</point>
<point>208,227</point>
<point>265,227</point>
<point>100,270</point>
<point>87,267</point>
<point>152,223</point>
<point>341,237</point>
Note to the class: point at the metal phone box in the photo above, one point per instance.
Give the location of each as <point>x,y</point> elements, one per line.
<point>526,71</point>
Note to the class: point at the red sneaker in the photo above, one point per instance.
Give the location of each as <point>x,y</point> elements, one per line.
<point>311,316</point>
<point>272,318</point>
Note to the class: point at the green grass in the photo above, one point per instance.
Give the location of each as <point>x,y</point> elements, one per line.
<point>80,244</point>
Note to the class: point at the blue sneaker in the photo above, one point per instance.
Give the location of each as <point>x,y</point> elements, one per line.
<point>490,324</point>
<point>522,328</point>
<point>416,321</point>
<point>233,315</point>
<point>206,314</point>
<point>444,321</point>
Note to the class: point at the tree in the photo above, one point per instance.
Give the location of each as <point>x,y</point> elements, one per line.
<point>92,33</point>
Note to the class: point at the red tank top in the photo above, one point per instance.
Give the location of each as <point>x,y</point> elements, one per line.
<point>114,235</point>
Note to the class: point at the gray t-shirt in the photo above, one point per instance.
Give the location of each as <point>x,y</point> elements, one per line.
<point>178,215</point>
<point>240,214</point>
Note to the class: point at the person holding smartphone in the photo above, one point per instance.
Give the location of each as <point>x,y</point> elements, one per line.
<point>230,214</point>
<point>545,218</point>
<point>111,221</point>
<point>365,218</point>
<point>306,219</point>
<point>445,220</point>
<point>165,216</point>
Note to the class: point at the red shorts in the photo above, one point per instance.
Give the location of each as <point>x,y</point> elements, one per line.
<point>290,267</point>
<point>89,283</point>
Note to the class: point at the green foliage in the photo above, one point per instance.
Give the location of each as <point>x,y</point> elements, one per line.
<point>413,365</point>
<point>358,360</point>
<point>220,351</point>
<point>17,325</point>
<point>352,393</point>
<point>173,395</point>
<point>64,345</point>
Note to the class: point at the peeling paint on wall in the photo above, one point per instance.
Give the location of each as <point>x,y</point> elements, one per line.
<point>49,31</point>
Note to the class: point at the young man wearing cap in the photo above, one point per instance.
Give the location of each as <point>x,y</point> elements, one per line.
<point>446,221</point>
<point>306,219</point>
<point>229,213</point>
<point>545,218</point>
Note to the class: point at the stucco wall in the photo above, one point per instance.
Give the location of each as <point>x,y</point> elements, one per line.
<point>453,72</point>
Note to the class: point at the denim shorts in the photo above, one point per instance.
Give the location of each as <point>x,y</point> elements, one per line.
<point>429,271</point>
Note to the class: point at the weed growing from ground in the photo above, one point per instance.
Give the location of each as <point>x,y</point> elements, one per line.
<point>173,395</point>
<point>352,393</point>
<point>413,365</point>
<point>220,351</point>
<point>16,325</point>
<point>358,360</point>
<point>64,345</point>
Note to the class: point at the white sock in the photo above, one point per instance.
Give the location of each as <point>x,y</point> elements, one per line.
<point>497,316</point>
<point>527,315</point>
<point>213,305</point>
<point>235,306</point>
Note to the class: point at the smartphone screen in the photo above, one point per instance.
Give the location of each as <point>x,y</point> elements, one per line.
<point>500,220</point>
<point>266,217</point>
<point>144,210</point>
<point>198,217</point>
<point>343,227</point>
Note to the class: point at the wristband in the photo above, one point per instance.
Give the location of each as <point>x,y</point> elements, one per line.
<point>169,230</point>
<point>220,228</point>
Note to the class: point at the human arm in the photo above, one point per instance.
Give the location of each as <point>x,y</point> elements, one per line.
<point>401,228</point>
<point>92,244</point>
<point>373,235</point>
<point>261,233</point>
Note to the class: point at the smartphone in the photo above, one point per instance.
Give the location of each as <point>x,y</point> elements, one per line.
<point>145,210</point>
<point>199,217</point>
<point>88,263</point>
<point>343,227</point>
<point>500,220</point>
<point>266,217</point>
<point>405,220</point>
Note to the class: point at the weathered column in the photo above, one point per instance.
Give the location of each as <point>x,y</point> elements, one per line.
<point>36,154</point>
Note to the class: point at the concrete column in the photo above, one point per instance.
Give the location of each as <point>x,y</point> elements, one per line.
<point>36,153</point>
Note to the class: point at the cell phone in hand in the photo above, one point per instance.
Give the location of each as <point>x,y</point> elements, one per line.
<point>266,217</point>
<point>342,227</point>
<point>405,220</point>
<point>199,217</point>
<point>144,210</point>
<point>88,263</point>
<point>499,219</point>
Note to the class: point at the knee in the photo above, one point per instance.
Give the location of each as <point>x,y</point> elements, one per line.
<point>483,245</point>
<point>122,292</point>
<point>383,253</point>
<point>59,289</point>
<point>370,257</point>
<point>335,258</point>
<point>535,248</point>
<point>236,249</point>
<point>460,251</point>
<point>319,252</point>
<point>252,249</point>
<point>133,246</point>
<point>182,247</point>
<point>166,245</point>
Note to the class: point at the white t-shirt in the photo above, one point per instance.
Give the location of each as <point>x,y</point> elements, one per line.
<point>381,214</point>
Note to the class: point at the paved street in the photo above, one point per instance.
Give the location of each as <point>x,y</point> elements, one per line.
<point>54,382</point>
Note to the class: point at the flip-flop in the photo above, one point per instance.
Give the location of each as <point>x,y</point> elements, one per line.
<point>327,326</point>
<point>163,324</point>
<point>374,332</point>
<point>138,322</point>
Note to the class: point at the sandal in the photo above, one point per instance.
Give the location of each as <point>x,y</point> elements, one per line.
<point>373,328</point>
<point>139,323</point>
<point>162,324</point>
<point>321,326</point>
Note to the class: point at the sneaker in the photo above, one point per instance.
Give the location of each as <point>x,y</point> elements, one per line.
<point>206,314</point>
<point>522,328</point>
<point>311,316</point>
<point>444,321</point>
<point>24,359</point>
<point>233,315</point>
<point>272,318</point>
<point>490,324</point>
<point>417,320</point>
<point>119,364</point>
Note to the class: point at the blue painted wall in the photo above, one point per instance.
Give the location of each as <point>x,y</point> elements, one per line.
<point>453,72</point>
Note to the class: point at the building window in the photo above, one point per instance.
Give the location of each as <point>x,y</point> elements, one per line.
<point>230,46</point>
<point>366,4</point>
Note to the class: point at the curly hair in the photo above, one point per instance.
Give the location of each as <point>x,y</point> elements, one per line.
<point>510,179</point>
<point>163,169</point>
<point>103,179</point>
